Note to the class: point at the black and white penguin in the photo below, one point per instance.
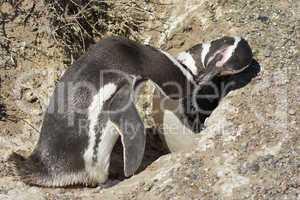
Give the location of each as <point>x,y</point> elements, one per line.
<point>224,56</point>
<point>234,54</point>
<point>217,64</point>
<point>92,106</point>
<point>207,98</point>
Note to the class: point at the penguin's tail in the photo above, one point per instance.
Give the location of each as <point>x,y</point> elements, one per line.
<point>33,171</point>
<point>29,170</point>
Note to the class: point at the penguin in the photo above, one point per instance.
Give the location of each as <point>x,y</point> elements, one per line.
<point>224,56</point>
<point>213,73</point>
<point>179,127</point>
<point>93,105</point>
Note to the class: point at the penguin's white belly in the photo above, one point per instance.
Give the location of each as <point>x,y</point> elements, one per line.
<point>99,169</point>
<point>176,135</point>
<point>173,129</point>
<point>97,163</point>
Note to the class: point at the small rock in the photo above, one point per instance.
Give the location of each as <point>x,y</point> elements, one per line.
<point>148,187</point>
<point>262,18</point>
<point>292,112</point>
<point>6,8</point>
<point>268,53</point>
<point>254,167</point>
<point>30,97</point>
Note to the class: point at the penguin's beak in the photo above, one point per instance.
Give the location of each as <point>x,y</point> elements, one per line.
<point>234,70</point>
<point>207,75</point>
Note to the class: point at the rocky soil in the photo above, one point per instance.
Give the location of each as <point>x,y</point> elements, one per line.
<point>250,148</point>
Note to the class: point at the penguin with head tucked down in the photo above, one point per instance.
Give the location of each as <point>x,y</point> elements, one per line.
<point>215,65</point>
<point>224,56</point>
<point>93,105</point>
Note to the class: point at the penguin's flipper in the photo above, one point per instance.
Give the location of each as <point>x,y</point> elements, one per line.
<point>127,121</point>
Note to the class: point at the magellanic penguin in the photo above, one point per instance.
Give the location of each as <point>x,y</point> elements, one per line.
<point>234,59</point>
<point>212,62</point>
<point>92,106</point>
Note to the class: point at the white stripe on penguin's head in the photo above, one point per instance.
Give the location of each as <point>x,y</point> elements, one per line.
<point>228,53</point>
<point>224,56</point>
<point>94,111</point>
<point>187,59</point>
<point>205,50</point>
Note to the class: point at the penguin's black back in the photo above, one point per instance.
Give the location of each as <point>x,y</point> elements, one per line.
<point>61,146</point>
<point>117,53</point>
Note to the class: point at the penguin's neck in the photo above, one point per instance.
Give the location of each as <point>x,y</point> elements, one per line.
<point>180,85</point>
<point>193,58</point>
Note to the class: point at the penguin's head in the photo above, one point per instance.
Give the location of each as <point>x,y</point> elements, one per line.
<point>224,56</point>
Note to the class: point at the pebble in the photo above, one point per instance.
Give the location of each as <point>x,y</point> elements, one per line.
<point>292,112</point>
<point>30,97</point>
<point>6,8</point>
